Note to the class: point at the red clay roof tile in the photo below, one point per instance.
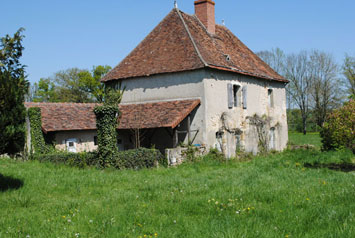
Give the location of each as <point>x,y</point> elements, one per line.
<point>181,43</point>
<point>80,116</point>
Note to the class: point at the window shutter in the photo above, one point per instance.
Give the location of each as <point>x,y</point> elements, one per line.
<point>230,96</point>
<point>245,96</point>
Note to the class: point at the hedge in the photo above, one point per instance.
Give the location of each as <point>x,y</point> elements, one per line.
<point>80,160</point>
<point>130,159</point>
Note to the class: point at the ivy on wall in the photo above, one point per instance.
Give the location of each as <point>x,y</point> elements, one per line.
<point>38,144</point>
<point>106,123</point>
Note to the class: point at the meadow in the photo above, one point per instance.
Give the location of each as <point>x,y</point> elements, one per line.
<point>267,196</point>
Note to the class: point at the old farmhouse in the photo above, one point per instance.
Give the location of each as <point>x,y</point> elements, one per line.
<point>189,81</point>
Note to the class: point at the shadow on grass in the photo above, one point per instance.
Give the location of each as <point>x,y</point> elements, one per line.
<point>344,167</point>
<point>9,183</point>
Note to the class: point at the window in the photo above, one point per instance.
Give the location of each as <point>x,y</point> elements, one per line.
<point>236,94</point>
<point>270,93</point>
<point>71,144</point>
<point>95,140</point>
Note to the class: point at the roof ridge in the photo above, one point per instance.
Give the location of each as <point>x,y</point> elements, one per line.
<point>191,38</point>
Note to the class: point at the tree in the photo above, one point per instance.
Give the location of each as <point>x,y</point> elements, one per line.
<point>45,91</point>
<point>325,91</point>
<point>300,86</point>
<point>13,87</point>
<point>349,73</point>
<point>72,85</point>
<point>276,59</point>
<point>339,130</point>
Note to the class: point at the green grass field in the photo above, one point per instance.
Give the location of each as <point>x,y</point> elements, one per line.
<point>273,196</point>
<point>312,138</point>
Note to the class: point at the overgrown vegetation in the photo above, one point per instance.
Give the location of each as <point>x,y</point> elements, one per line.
<point>106,124</point>
<point>262,127</point>
<point>339,130</point>
<point>130,159</point>
<point>269,196</point>
<point>38,144</point>
<point>13,87</point>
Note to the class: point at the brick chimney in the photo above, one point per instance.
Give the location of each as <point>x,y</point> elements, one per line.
<point>204,10</point>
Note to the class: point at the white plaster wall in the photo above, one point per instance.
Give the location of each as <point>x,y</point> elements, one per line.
<point>169,87</point>
<point>210,86</point>
<point>216,93</point>
<point>85,140</point>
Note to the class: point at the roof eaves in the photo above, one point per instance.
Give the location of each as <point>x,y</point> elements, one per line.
<point>246,73</point>
<point>193,106</point>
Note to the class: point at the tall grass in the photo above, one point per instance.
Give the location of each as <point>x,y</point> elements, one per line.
<point>270,196</point>
<point>312,138</point>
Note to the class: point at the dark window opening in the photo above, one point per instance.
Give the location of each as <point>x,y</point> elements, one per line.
<point>71,144</point>
<point>271,97</point>
<point>236,95</point>
<point>95,140</point>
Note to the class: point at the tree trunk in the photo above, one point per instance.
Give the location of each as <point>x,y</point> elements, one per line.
<point>304,123</point>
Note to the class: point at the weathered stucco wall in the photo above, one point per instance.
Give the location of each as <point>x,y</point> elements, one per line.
<point>85,140</point>
<point>216,92</point>
<point>167,87</point>
<point>210,86</point>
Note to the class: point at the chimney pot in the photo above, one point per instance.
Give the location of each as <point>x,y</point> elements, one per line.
<point>205,11</point>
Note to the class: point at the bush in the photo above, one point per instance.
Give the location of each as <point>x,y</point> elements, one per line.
<point>339,130</point>
<point>139,158</point>
<point>80,160</point>
<point>130,159</point>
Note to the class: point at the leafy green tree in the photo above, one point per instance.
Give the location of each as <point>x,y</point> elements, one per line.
<point>72,85</point>
<point>13,87</point>
<point>45,91</point>
<point>339,130</point>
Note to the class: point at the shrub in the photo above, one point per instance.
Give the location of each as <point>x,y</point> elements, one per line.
<point>130,159</point>
<point>339,130</point>
<point>80,160</point>
<point>139,158</point>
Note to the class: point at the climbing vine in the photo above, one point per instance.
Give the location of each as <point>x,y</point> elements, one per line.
<point>106,123</point>
<point>38,144</point>
<point>262,126</point>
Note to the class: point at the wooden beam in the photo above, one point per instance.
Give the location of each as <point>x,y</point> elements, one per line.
<point>175,138</point>
<point>189,129</point>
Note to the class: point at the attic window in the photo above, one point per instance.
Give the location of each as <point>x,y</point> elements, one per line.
<point>228,58</point>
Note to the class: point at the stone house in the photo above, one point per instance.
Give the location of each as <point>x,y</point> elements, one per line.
<point>189,81</point>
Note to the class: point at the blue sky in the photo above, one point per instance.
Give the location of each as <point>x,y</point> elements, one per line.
<point>61,34</point>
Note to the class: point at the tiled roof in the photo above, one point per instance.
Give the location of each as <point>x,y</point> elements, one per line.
<point>80,116</point>
<point>181,43</point>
